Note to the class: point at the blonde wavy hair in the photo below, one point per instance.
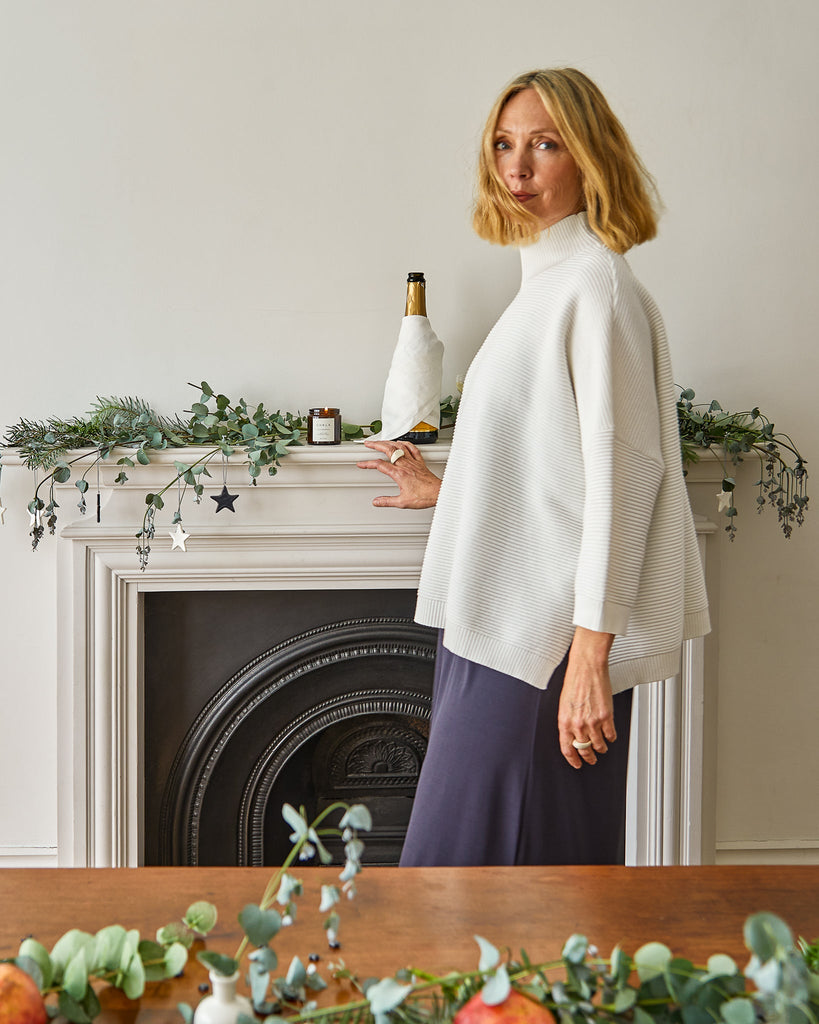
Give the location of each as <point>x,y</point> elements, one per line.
<point>620,195</point>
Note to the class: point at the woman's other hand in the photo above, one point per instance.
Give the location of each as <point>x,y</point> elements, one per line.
<point>417,486</point>
<point>586,710</point>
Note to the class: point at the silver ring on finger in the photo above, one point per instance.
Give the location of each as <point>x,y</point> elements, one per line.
<point>399,453</point>
<point>581,745</point>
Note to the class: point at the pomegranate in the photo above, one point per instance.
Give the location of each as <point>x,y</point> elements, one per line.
<point>20,999</point>
<point>515,1009</point>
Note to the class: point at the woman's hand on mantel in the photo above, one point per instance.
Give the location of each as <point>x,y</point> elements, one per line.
<point>417,486</point>
<point>586,709</point>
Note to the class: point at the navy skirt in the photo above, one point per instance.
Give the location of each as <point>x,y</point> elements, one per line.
<point>494,787</point>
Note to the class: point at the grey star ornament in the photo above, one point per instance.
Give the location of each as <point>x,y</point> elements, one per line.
<point>224,500</point>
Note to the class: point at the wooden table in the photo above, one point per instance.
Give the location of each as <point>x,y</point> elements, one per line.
<point>424,917</point>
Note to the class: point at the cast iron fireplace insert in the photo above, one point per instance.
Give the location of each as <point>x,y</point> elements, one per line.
<point>254,698</point>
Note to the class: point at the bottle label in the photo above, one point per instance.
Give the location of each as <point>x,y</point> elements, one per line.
<point>324,429</point>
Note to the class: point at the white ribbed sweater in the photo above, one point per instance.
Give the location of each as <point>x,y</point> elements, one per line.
<point>585,520</point>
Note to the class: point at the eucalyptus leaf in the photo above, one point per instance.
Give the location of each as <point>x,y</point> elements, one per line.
<point>693,1014</point>
<point>186,1011</point>
<point>91,1003</point>
<point>624,1000</point>
<point>296,974</point>
<point>353,849</point>
<point>201,917</point>
<point>71,1009</point>
<point>153,960</point>
<point>489,954</point>
<point>176,956</point>
<point>174,932</point>
<point>259,925</point>
<point>35,951</point>
<point>218,962</point>
<point>133,982</point>
<point>386,994</point>
<point>324,854</point>
<point>641,1017</point>
<point>75,980</point>
<point>330,895</point>
<point>720,965</point>
<point>295,821</point>
<point>31,968</point>
<point>767,935</point>
<point>651,960</point>
<point>108,943</point>
<point>738,1011</point>
<point>620,966</point>
<point>315,982</point>
<point>66,948</point>
<point>766,976</point>
<point>259,980</point>
<point>574,949</point>
<point>265,957</point>
<point>349,871</point>
<point>357,816</point>
<point>497,988</point>
<point>288,887</point>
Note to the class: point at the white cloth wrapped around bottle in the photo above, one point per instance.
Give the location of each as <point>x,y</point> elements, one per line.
<point>412,393</point>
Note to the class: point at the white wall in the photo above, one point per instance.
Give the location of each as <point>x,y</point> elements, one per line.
<point>235,191</point>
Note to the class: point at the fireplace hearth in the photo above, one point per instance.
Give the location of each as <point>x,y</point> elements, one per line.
<point>337,710</point>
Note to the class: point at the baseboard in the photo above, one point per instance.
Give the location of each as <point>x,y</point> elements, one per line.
<point>768,851</point>
<point>28,856</point>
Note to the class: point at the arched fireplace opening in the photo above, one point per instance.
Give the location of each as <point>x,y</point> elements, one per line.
<point>338,710</point>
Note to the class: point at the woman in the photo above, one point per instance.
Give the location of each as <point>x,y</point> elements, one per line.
<point>561,569</point>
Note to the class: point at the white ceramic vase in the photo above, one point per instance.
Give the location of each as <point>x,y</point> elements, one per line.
<point>225,1005</point>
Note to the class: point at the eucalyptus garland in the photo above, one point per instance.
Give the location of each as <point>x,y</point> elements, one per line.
<point>60,449</point>
<point>782,483</point>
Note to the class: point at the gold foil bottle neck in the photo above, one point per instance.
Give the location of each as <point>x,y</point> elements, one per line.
<point>416,295</point>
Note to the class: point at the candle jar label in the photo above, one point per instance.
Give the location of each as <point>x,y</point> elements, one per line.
<point>324,430</point>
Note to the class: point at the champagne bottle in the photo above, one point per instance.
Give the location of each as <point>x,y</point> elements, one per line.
<point>421,433</point>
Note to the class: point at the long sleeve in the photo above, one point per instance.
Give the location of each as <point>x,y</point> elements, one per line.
<point>612,371</point>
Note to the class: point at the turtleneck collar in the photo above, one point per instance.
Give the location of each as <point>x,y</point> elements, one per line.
<point>556,244</point>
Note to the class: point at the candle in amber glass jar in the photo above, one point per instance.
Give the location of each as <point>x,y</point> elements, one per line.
<point>324,426</point>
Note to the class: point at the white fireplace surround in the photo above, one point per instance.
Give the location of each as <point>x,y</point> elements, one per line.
<point>312,526</point>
